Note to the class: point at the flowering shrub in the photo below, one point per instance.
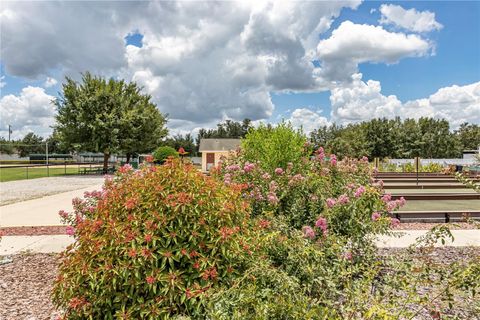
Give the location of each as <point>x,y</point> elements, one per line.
<point>152,244</point>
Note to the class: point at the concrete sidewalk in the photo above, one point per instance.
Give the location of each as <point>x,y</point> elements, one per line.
<point>42,244</point>
<point>56,243</point>
<point>41,211</point>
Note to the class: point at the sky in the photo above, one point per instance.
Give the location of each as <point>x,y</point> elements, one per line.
<point>311,63</point>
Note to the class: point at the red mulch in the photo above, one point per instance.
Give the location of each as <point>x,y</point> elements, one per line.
<point>32,231</point>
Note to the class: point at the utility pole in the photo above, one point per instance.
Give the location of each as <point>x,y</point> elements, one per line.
<point>9,132</point>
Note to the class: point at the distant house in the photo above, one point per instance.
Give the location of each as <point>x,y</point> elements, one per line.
<point>213,149</point>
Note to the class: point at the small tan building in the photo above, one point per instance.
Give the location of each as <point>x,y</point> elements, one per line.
<point>213,149</point>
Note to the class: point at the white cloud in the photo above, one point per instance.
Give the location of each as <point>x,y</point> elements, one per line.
<point>204,62</point>
<point>50,82</point>
<point>201,62</point>
<point>361,101</point>
<point>307,119</point>
<point>2,82</point>
<point>351,44</point>
<point>410,19</point>
<point>31,110</point>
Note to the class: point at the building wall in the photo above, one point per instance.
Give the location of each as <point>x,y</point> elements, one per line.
<point>218,155</point>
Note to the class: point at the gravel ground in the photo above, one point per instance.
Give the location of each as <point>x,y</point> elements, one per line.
<point>25,287</point>
<point>26,283</point>
<point>21,190</point>
<point>428,226</point>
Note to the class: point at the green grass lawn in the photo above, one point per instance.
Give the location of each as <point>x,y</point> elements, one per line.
<point>413,191</point>
<point>423,205</point>
<point>10,174</point>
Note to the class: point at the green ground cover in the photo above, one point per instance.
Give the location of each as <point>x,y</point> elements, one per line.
<point>11,174</point>
<point>412,191</point>
<point>424,205</point>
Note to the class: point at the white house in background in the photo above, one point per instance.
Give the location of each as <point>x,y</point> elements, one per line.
<point>213,149</point>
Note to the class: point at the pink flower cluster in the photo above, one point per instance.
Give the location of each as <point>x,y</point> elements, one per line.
<point>394,222</point>
<point>227,179</point>
<point>279,171</point>
<point>272,198</point>
<point>386,197</point>
<point>392,205</point>
<point>376,215</point>
<point>248,167</point>
<point>321,223</point>
<point>308,232</point>
<point>320,154</point>
<point>331,202</point>
<point>296,179</point>
<point>63,214</point>
<point>360,190</point>
<point>70,230</point>
<point>333,160</point>
<point>343,199</point>
<point>125,168</point>
<point>233,167</point>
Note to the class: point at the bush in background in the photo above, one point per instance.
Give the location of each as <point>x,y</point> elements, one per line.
<point>274,147</point>
<point>162,153</point>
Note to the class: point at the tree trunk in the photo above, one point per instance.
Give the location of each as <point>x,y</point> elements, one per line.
<point>129,155</point>
<point>106,156</point>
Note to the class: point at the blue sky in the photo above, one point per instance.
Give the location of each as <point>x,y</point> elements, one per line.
<point>457,58</point>
<point>206,63</point>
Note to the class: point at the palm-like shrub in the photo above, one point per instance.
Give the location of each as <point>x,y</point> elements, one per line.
<point>152,244</point>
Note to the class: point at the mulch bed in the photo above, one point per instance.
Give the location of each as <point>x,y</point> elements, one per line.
<point>25,287</point>
<point>32,231</point>
<point>26,283</point>
<point>54,230</point>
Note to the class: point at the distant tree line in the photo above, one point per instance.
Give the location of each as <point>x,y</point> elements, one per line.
<point>112,116</point>
<point>396,138</point>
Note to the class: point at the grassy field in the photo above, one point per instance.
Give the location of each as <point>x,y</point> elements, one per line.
<point>414,191</point>
<point>10,174</point>
<point>423,205</point>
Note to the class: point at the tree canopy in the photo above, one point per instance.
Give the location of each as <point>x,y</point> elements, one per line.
<point>396,138</point>
<point>99,115</point>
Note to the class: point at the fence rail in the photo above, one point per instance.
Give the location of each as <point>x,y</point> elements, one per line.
<point>9,172</point>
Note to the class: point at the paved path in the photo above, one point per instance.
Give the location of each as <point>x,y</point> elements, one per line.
<point>57,243</point>
<point>43,244</point>
<point>41,211</point>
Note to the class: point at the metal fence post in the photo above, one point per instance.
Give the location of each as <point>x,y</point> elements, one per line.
<point>27,171</point>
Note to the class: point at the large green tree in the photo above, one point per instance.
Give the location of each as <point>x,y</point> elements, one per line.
<point>469,136</point>
<point>226,129</point>
<point>184,141</point>
<point>31,143</point>
<point>107,116</point>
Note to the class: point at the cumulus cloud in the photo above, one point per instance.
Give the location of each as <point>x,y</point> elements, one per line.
<point>201,62</point>
<point>307,119</point>
<point>50,82</point>
<point>361,101</point>
<point>204,62</point>
<point>411,19</point>
<point>351,44</point>
<point>31,110</point>
<point>2,82</point>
